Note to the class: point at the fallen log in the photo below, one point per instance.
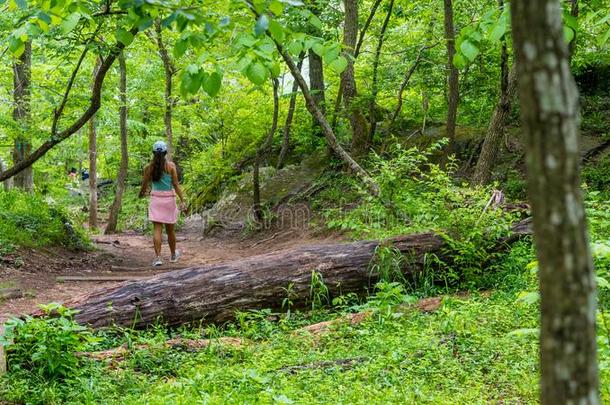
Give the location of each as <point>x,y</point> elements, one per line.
<point>213,293</point>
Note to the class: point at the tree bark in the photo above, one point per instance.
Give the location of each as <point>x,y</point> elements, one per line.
<point>550,116</point>
<point>215,292</point>
<point>316,80</point>
<point>261,152</point>
<point>93,162</point>
<point>170,70</point>
<point>375,80</point>
<point>281,160</point>
<point>497,125</point>
<point>574,12</point>
<point>122,177</point>
<point>348,79</point>
<point>22,78</point>
<point>361,36</point>
<point>452,74</point>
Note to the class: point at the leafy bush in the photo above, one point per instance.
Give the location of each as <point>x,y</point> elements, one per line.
<point>419,195</point>
<point>46,346</point>
<point>29,220</point>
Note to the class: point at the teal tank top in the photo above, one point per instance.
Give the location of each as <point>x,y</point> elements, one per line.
<point>164,183</point>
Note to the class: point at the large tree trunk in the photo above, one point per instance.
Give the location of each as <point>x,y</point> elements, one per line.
<point>260,154</point>
<point>550,115</point>
<point>316,80</point>
<point>375,81</point>
<point>452,74</point>
<point>281,160</point>
<point>170,70</point>
<point>93,163</point>
<point>215,292</point>
<point>348,80</point>
<point>115,209</point>
<point>22,78</point>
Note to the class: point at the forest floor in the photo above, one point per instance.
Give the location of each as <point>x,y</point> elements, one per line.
<point>130,253</point>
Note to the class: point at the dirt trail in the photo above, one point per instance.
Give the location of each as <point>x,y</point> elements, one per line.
<point>37,276</point>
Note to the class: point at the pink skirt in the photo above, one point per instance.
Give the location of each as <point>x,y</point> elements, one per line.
<point>163,208</point>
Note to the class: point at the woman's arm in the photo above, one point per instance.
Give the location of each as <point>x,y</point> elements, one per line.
<point>145,182</point>
<point>176,183</point>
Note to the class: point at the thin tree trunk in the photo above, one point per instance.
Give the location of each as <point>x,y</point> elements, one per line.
<point>120,186</point>
<point>350,92</point>
<point>93,163</point>
<point>361,36</point>
<point>550,117</point>
<point>452,74</point>
<point>261,152</point>
<point>170,70</point>
<point>497,125</point>
<point>281,160</point>
<point>403,87</point>
<point>495,132</point>
<point>375,81</point>
<point>22,77</point>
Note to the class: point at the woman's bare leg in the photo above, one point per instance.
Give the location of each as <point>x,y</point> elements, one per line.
<point>171,238</point>
<point>157,238</point>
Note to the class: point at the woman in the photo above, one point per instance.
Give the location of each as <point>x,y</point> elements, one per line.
<point>162,209</point>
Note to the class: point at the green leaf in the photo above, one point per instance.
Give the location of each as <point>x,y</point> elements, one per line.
<point>275,69</point>
<point>262,24</point>
<point>295,48</point>
<point>498,31</point>
<point>318,49</point>
<point>315,21</point>
<point>70,22</point>
<point>212,84</point>
<point>277,31</point>
<point>180,47</point>
<point>459,61</point>
<point>469,50</point>
<point>257,73</point>
<point>16,46</point>
<point>22,4</point>
<point>123,36</point>
<point>602,39</point>
<point>338,65</point>
<point>276,7</point>
<point>525,332</point>
<point>568,34</point>
<point>528,298</point>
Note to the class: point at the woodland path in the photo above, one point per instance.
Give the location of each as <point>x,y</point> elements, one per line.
<point>130,251</point>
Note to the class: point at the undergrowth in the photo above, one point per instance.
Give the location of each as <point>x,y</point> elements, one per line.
<point>31,221</point>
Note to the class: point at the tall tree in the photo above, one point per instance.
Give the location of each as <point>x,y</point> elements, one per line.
<point>375,80</point>
<point>261,152</point>
<point>550,117</point>
<point>281,160</point>
<point>497,125</point>
<point>22,78</point>
<point>316,69</point>
<point>169,70</point>
<point>93,161</point>
<point>348,79</point>
<point>115,209</point>
<point>453,96</point>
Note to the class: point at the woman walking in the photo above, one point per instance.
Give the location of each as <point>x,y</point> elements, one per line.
<point>162,209</point>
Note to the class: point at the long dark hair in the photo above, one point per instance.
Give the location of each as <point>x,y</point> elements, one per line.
<point>158,165</point>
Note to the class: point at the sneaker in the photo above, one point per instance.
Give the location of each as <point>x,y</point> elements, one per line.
<point>157,262</point>
<point>175,257</point>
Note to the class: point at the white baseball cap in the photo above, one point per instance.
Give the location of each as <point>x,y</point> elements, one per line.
<point>160,146</point>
